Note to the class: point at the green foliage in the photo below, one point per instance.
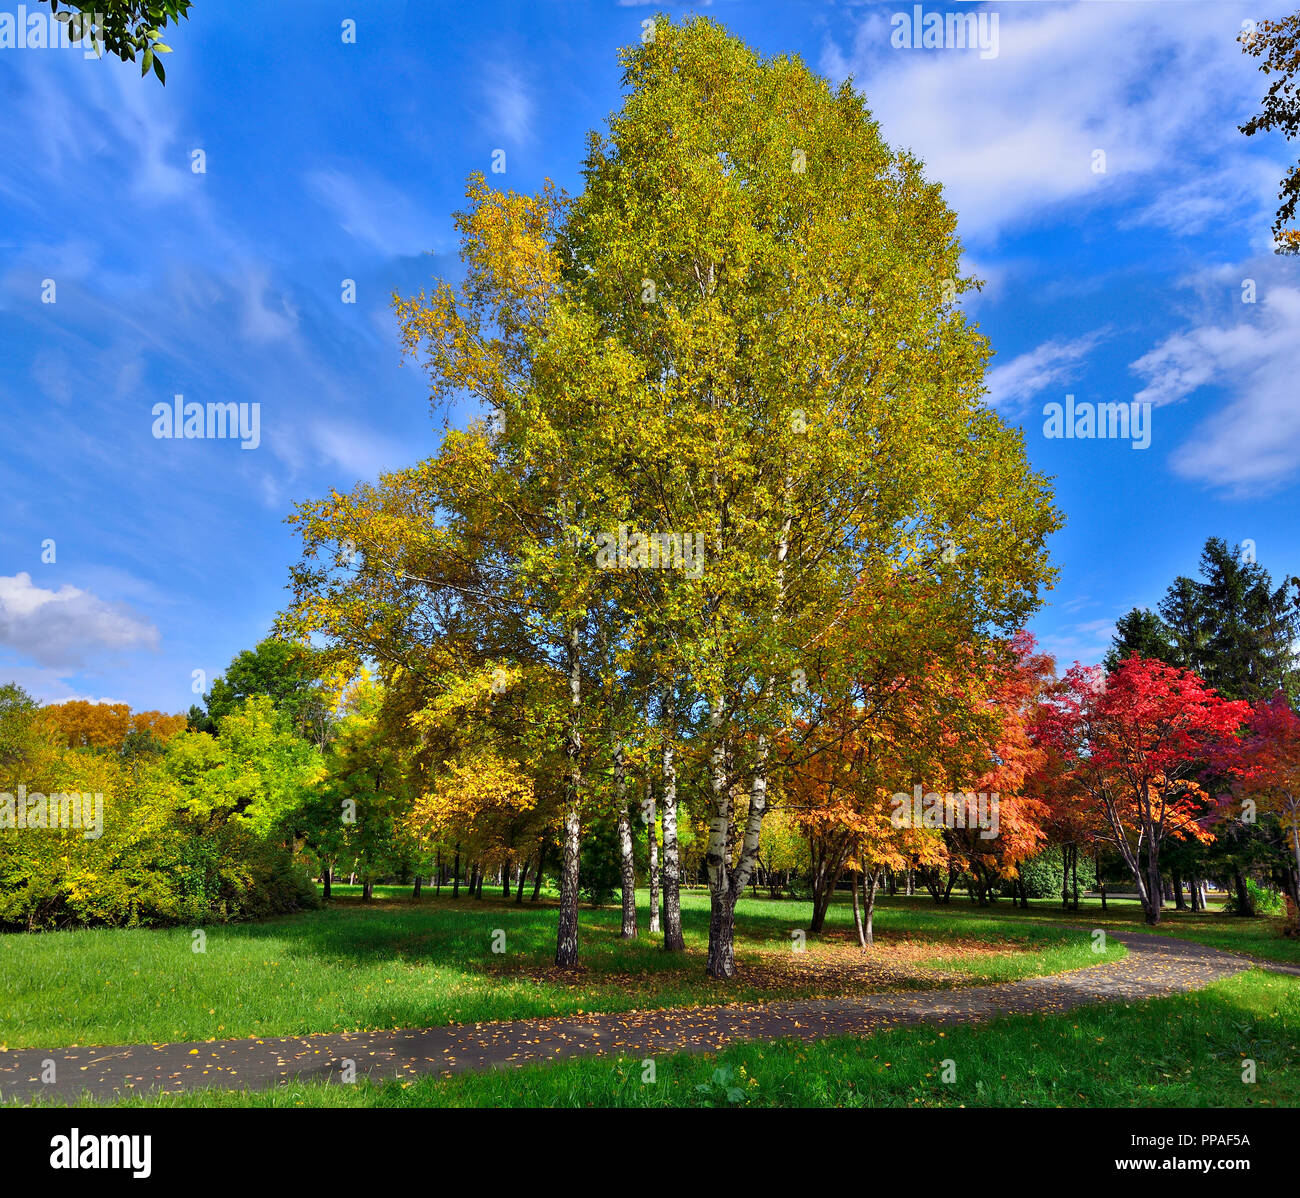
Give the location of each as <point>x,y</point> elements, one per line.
<point>1262,900</point>
<point>356,815</point>
<point>124,28</point>
<point>598,869</point>
<point>1231,627</point>
<point>286,673</point>
<point>191,832</point>
<point>725,1087</point>
<point>1042,878</point>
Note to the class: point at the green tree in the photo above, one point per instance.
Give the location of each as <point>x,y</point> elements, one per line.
<point>287,673</point>
<point>1231,627</point>
<point>808,398</point>
<point>1143,632</point>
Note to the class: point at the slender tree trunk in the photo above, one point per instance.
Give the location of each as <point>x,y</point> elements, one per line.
<point>1292,876</point>
<point>367,890</point>
<point>523,877</point>
<point>673,941</point>
<point>537,881</point>
<point>1176,878</point>
<point>566,939</point>
<point>652,838</point>
<point>437,872</point>
<point>455,874</point>
<point>626,862</point>
<point>857,912</point>
<point>1154,893</point>
<point>505,879</point>
<point>722,918</point>
<point>415,893</point>
<point>327,877</point>
<point>869,906</point>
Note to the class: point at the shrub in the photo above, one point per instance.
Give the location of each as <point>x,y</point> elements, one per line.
<point>1263,900</point>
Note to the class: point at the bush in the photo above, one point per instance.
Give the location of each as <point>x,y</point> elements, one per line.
<point>191,834</point>
<point>1264,901</point>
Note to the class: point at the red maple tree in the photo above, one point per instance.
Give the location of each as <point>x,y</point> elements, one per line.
<point>1133,742</point>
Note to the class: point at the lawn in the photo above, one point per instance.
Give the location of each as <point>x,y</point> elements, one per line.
<point>1186,1051</point>
<point>395,963</point>
<point>1260,936</point>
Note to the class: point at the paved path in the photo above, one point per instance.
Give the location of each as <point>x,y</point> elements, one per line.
<point>1155,966</point>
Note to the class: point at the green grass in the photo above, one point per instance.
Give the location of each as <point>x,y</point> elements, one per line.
<point>395,963</point>
<point>1260,936</point>
<point>1178,1052</point>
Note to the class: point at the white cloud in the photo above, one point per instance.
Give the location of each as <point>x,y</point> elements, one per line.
<point>509,106</point>
<point>1012,137</point>
<point>1086,642</point>
<point>358,451</point>
<point>63,627</point>
<point>1252,444</point>
<point>374,212</point>
<point>1052,364</point>
<point>262,322</point>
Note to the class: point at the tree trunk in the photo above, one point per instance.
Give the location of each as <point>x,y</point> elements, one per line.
<point>869,906</point>
<point>1245,905</point>
<point>566,937</point>
<point>367,890</point>
<point>523,877</point>
<point>626,863</point>
<point>722,936</point>
<point>673,941</point>
<point>722,920</point>
<point>415,893</point>
<point>437,872</point>
<point>652,837</point>
<point>505,879</point>
<point>537,881</point>
<point>1154,893</point>
<point>857,912</point>
<point>455,874</point>
<point>327,877</point>
<point>1176,878</point>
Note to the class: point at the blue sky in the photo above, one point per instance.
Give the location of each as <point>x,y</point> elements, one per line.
<point>328,161</point>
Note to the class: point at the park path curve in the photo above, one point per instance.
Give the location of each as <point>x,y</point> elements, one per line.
<point>1155,966</point>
